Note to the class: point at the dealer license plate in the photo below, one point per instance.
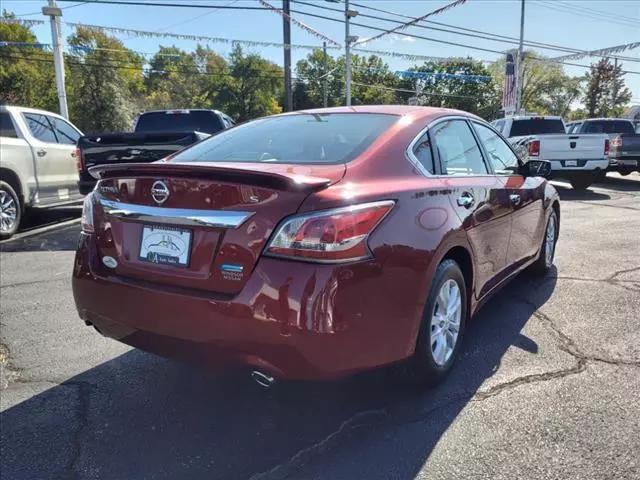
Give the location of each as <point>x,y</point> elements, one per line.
<point>165,245</point>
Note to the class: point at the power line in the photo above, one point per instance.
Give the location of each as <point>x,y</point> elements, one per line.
<point>558,7</point>
<point>475,33</point>
<point>370,27</point>
<point>163,4</point>
<point>39,12</point>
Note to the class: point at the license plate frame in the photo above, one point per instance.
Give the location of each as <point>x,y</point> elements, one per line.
<point>165,245</point>
<point>571,163</point>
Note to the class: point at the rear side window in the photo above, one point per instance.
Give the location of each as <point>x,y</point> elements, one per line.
<point>302,138</point>
<point>457,149</point>
<point>421,152</point>
<point>40,127</point>
<point>65,132</point>
<point>536,126</point>
<point>609,126</point>
<point>7,129</point>
<point>499,125</point>
<point>180,121</point>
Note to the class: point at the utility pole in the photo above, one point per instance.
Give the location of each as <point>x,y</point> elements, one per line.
<point>56,36</point>
<point>325,81</point>
<point>348,39</point>
<point>520,64</point>
<point>286,30</point>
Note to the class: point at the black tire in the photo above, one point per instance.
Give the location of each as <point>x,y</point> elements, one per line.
<point>543,264</point>
<point>624,173</point>
<point>11,203</point>
<point>582,182</point>
<point>422,368</point>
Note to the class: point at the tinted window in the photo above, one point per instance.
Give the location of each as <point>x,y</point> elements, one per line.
<point>608,126</point>
<point>422,153</point>
<point>65,132</point>
<point>457,148</point>
<point>501,157</point>
<point>40,127</point>
<point>536,126</point>
<point>179,121</point>
<point>302,138</point>
<point>7,129</point>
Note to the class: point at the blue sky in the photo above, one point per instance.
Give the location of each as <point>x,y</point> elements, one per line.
<point>575,24</point>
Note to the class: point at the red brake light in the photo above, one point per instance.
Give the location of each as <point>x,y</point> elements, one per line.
<point>606,147</point>
<point>87,214</point>
<point>534,148</point>
<point>79,160</point>
<point>335,235</point>
<point>615,143</point>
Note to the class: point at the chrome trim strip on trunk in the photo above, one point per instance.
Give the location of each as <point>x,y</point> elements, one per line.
<point>175,216</point>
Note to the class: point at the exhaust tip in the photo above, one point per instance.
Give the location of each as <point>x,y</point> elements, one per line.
<point>262,379</point>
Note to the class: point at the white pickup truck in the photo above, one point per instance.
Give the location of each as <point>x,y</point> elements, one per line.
<point>37,163</point>
<point>577,158</point>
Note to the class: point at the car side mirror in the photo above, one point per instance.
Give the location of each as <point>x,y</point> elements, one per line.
<point>536,168</point>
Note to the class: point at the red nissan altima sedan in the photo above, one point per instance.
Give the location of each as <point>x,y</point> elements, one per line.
<point>314,244</point>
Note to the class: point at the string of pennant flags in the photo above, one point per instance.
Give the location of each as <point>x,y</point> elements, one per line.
<point>443,76</point>
<point>600,52</point>
<point>415,21</point>
<point>298,23</point>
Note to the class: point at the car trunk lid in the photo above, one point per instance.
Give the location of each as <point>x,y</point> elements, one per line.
<point>196,225</point>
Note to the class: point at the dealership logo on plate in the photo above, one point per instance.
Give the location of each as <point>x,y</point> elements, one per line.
<point>159,192</point>
<point>165,246</point>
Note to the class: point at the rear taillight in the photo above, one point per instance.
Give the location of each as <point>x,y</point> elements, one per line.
<point>336,235</point>
<point>616,142</point>
<point>606,147</point>
<point>87,214</point>
<point>79,160</point>
<point>534,148</point>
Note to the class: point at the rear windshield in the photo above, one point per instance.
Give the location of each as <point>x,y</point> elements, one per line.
<point>302,138</point>
<point>609,126</point>
<point>179,121</point>
<point>536,126</point>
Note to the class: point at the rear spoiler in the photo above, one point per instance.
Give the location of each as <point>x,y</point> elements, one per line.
<point>249,173</point>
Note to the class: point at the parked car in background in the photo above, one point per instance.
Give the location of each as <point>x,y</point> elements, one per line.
<point>37,163</point>
<point>156,134</point>
<point>367,241</point>
<point>578,158</point>
<point>624,152</point>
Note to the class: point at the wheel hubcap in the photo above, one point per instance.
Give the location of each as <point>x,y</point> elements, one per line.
<point>445,322</point>
<point>550,240</point>
<point>8,212</point>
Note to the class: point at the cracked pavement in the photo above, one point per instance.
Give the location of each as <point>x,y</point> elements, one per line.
<point>547,385</point>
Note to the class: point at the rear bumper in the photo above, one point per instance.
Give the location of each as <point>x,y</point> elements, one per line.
<point>303,321</point>
<point>580,165</point>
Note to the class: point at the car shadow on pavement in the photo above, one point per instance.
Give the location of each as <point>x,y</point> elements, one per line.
<point>140,416</point>
<point>58,239</point>
<point>630,183</point>
<point>568,194</point>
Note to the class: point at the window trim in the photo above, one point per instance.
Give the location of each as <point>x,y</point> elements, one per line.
<point>13,124</point>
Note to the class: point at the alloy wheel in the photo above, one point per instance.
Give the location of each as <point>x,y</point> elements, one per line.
<point>8,212</point>
<point>445,322</point>
<point>550,241</point>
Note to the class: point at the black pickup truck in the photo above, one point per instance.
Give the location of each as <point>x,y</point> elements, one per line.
<point>156,135</point>
<point>624,142</point>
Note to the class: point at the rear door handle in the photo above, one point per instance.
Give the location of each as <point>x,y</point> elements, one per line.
<point>42,152</point>
<point>515,199</point>
<point>466,200</point>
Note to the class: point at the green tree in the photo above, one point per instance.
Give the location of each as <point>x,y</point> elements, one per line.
<point>27,77</point>
<point>105,77</point>
<point>458,88</point>
<point>606,93</point>
<point>253,87</point>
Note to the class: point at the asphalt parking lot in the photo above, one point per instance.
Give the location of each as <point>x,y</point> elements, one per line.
<point>547,386</point>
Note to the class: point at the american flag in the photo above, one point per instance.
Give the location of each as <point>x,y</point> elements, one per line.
<point>509,87</point>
